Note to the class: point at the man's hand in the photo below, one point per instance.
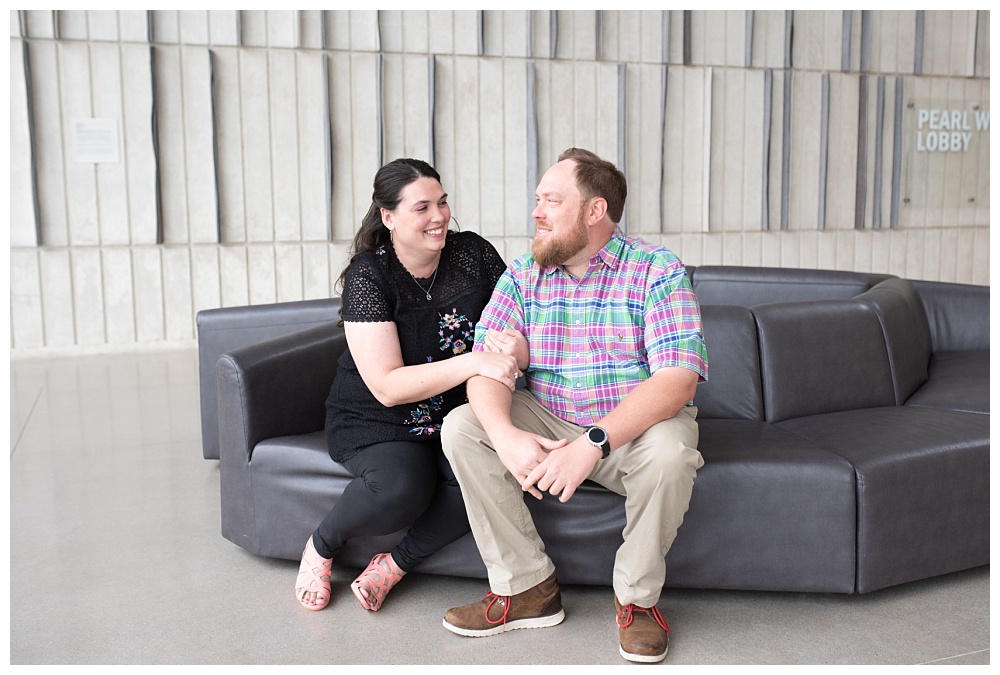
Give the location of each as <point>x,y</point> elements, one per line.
<point>563,469</point>
<point>521,452</point>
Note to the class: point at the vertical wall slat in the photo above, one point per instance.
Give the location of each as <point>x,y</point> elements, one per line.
<point>866,40</point>
<point>431,102</point>
<point>664,82</point>
<point>480,30</point>
<point>533,157</point>
<point>765,172</point>
<point>789,25</point>
<point>824,147</point>
<point>379,110</point>
<point>897,153</point>
<point>877,169</point>
<point>861,180</point>
<point>255,117</point>
<point>622,114</point>
<point>32,142</point>
<point>786,148</point>
<point>327,143</point>
<point>215,145</point>
<point>706,177</point>
<point>687,37</point>
<point>553,32</point>
<point>154,122</point>
<point>845,40</point>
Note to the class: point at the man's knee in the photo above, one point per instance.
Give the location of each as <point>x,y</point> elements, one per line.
<point>663,451</point>
<point>458,426</point>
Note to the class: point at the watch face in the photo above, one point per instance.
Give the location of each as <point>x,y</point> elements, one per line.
<point>597,436</point>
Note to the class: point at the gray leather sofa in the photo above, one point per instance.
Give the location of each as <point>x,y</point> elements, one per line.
<point>845,430</point>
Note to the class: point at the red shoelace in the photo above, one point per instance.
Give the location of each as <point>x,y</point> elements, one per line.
<point>624,618</point>
<point>504,602</point>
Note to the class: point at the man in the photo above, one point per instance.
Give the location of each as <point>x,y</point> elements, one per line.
<point>616,351</point>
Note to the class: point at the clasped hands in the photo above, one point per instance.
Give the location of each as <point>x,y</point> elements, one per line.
<point>542,465</point>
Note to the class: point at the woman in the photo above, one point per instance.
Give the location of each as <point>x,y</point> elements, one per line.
<point>412,294</point>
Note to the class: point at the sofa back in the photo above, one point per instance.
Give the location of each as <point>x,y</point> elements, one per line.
<point>750,286</point>
<point>958,315</point>
<point>821,357</point>
<point>733,389</point>
<point>907,336</point>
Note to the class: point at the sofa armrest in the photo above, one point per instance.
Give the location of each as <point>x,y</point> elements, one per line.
<point>224,329</point>
<point>276,388</point>
<point>266,390</point>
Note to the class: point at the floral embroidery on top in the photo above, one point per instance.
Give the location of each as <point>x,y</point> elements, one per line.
<point>380,250</point>
<point>421,419</point>
<point>456,332</point>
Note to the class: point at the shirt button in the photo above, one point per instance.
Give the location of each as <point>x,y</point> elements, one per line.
<point>578,385</point>
<point>577,322</point>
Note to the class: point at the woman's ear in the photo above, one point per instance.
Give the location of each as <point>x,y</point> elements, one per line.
<point>386,217</point>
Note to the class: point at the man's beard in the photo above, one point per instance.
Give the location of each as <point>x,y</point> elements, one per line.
<point>556,251</point>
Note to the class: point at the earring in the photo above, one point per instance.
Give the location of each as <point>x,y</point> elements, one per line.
<point>456,223</point>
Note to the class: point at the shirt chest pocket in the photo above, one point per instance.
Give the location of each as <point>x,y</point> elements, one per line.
<point>622,342</point>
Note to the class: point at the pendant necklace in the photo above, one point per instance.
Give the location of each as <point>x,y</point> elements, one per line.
<point>427,291</point>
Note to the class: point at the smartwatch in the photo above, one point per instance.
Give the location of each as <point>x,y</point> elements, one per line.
<point>598,438</point>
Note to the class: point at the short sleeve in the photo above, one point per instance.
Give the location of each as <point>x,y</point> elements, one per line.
<point>504,310</point>
<point>673,324</point>
<point>366,296</point>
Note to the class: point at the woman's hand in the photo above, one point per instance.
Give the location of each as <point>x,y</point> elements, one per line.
<point>508,341</point>
<point>496,366</point>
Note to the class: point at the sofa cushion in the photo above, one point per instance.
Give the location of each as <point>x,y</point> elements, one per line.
<point>769,511</point>
<point>733,386</point>
<point>749,286</point>
<point>923,486</point>
<point>819,357</point>
<point>907,337</point>
<point>295,484</point>
<point>957,381</point>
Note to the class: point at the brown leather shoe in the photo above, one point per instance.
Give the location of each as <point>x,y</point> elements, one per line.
<point>643,633</point>
<point>538,607</point>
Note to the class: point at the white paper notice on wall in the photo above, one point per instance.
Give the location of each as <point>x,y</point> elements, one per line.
<point>95,140</point>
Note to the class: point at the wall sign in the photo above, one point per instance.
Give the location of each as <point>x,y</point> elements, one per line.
<point>949,129</point>
<point>95,140</point>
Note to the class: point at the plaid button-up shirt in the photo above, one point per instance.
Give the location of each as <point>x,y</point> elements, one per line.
<point>592,340</point>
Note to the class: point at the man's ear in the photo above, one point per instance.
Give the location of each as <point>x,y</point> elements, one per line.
<point>598,209</point>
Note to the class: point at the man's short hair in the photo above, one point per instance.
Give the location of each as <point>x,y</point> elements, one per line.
<point>596,177</point>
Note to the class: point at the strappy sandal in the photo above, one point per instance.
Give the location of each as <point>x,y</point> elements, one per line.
<point>314,577</point>
<point>371,587</point>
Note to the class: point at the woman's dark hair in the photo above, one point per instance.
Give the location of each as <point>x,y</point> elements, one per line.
<point>388,187</point>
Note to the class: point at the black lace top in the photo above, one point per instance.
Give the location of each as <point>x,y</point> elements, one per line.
<point>378,288</point>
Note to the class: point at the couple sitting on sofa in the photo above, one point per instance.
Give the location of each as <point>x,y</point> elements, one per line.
<point>616,350</point>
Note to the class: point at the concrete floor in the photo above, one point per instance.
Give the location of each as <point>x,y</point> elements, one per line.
<point>116,558</point>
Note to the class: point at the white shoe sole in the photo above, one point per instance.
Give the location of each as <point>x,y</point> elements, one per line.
<point>641,658</point>
<point>532,622</point>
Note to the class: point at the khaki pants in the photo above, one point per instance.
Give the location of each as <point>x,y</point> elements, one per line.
<point>655,473</point>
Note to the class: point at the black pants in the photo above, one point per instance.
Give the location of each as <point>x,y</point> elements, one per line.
<point>398,484</point>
